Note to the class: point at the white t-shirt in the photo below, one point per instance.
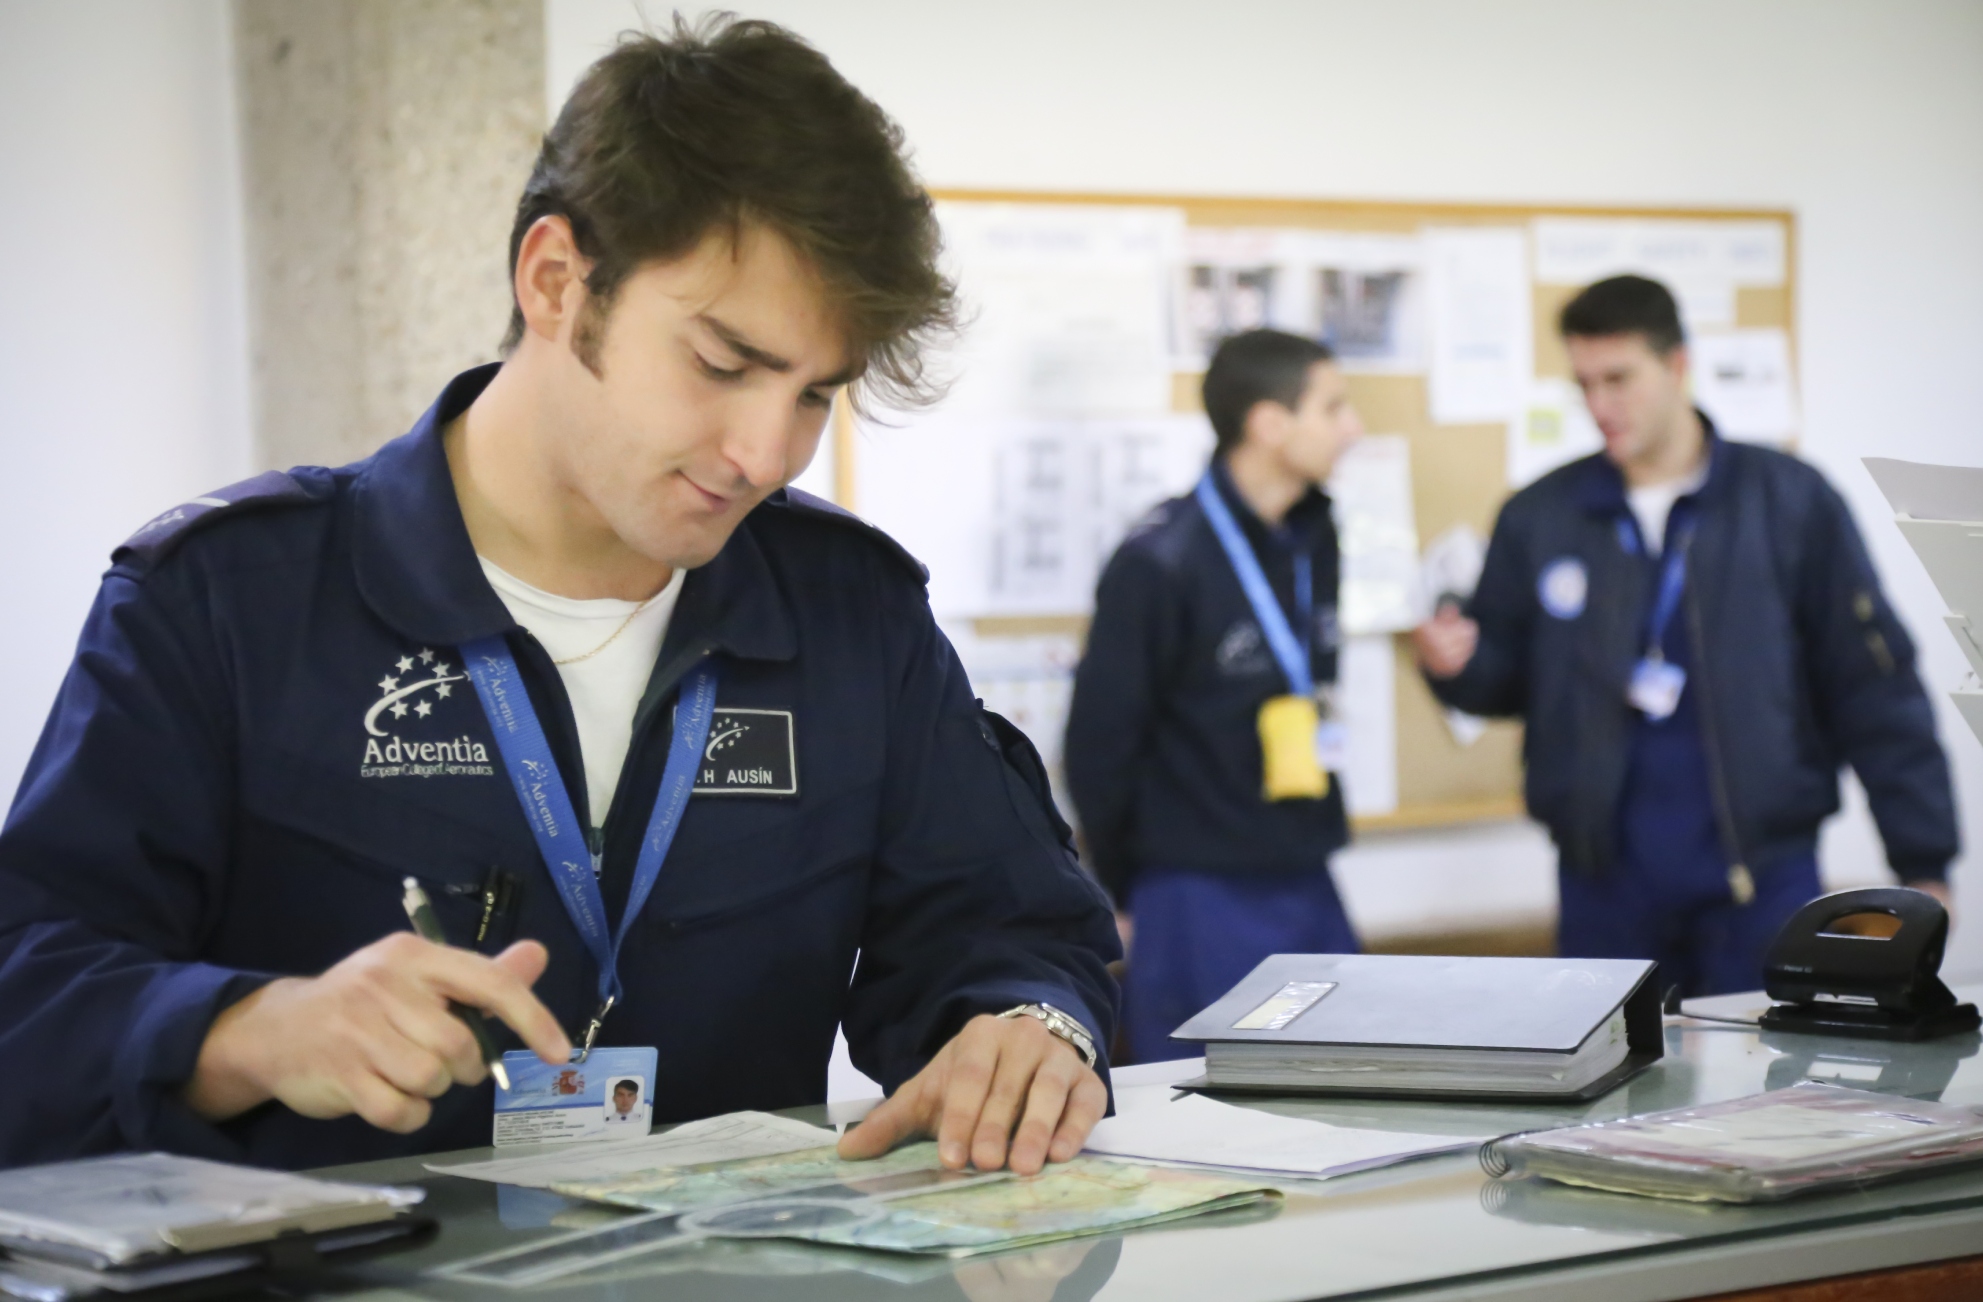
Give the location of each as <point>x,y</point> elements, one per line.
<point>605,687</point>
<point>1653,503</point>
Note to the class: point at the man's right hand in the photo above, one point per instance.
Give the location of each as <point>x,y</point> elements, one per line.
<point>1445,642</point>
<point>372,1036</point>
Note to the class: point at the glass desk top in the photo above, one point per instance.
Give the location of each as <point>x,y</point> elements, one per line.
<point>1437,1227</point>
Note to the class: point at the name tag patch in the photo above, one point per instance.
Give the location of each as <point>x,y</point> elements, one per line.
<point>750,753</point>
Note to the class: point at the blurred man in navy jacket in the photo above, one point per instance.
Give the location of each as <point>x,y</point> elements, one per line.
<point>1695,639</point>
<point>1211,661</point>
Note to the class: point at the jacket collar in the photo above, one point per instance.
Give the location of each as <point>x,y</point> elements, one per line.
<point>418,570</point>
<point>1600,489</point>
<point>1297,528</point>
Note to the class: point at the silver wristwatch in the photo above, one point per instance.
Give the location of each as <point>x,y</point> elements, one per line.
<point>1060,1025</point>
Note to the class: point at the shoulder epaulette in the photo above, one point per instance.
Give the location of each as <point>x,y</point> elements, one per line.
<point>805,503</point>
<point>156,538</point>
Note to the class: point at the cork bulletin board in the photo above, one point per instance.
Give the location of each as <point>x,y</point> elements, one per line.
<point>1459,471</point>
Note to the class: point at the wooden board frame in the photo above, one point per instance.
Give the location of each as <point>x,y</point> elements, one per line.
<point>1458,471</point>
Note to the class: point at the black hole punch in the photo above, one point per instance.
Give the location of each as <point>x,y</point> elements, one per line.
<point>1827,980</point>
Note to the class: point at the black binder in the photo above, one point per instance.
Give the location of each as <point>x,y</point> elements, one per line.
<point>1386,1001</point>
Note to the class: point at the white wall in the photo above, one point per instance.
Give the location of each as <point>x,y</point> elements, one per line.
<point>123,383</point>
<point>1867,119</point>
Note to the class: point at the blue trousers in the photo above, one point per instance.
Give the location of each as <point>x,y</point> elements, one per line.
<point>1704,942</point>
<point>1198,933</point>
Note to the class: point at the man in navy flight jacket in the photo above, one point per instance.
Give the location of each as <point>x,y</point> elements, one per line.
<point>293,694</point>
<point>1694,636</point>
<point>1211,872</point>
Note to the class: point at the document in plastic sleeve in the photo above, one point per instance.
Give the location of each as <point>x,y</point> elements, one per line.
<point>726,1138</point>
<point>1757,1149</point>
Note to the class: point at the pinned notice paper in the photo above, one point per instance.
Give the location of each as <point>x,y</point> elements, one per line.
<point>1742,379</point>
<point>1371,491</point>
<point>1553,428</point>
<point>1482,329</point>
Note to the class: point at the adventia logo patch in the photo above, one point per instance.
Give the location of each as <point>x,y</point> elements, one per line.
<point>404,695</point>
<point>749,753</point>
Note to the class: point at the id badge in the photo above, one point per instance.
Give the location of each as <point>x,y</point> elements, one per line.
<point>1656,688</point>
<point>1289,770</point>
<point>1332,738</point>
<point>608,1096</point>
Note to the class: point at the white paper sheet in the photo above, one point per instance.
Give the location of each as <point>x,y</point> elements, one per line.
<point>1702,262</point>
<point>1970,705</point>
<point>1969,636</point>
<point>1377,531</point>
<point>1153,1124</point>
<point>1578,250</point>
<point>1065,494</point>
<point>1742,379</point>
<point>1553,428</point>
<point>1016,516</point>
<point>1928,492</point>
<point>1482,340</point>
<point>1066,307</point>
<point>716,1139</point>
<point>1953,553</point>
<point>1366,695</point>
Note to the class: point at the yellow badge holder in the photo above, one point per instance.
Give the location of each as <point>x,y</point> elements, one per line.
<point>1289,768</point>
<point>1290,724</point>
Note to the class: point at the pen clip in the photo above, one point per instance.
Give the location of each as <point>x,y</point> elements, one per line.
<point>584,1050</point>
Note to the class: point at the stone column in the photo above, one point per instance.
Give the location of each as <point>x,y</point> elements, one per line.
<point>384,144</point>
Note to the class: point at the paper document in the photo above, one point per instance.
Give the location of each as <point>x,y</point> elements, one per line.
<point>1953,552</point>
<point>1553,428</point>
<point>1970,706</point>
<point>1371,492</point>
<point>1367,700</point>
<point>1703,263</point>
<point>1067,306</point>
<point>1152,1126</point>
<point>1482,324</point>
<point>1927,492</point>
<point>1742,379</point>
<point>716,1139</point>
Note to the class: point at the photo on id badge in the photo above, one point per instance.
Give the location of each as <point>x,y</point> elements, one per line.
<point>608,1096</point>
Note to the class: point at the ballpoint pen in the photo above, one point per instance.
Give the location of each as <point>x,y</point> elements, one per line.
<point>421,914</point>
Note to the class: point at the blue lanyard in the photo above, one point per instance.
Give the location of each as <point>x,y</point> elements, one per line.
<point>1672,581</point>
<point>553,821</point>
<point>1290,651</point>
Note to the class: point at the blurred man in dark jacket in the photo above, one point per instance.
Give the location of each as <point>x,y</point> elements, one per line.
<point>1200,738</point>
<point>1695,637</point>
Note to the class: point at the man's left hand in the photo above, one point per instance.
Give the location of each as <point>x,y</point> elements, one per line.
<point>1004,1091</point>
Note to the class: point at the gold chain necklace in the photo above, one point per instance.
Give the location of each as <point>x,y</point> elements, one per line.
<point>610,637</point>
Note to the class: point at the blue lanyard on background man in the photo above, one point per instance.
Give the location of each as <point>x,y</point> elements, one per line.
<point>1290,651</point>
<point>554,822</point>
<point>1672,581</point>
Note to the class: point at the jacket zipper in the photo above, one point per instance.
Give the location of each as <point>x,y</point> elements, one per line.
<point>1741,882</point>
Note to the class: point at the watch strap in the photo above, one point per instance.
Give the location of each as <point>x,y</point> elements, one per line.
<point>1060,1026</point>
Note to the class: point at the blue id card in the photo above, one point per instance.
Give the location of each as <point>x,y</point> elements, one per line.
<point>1656,688</point>
<point>608,1096</point>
